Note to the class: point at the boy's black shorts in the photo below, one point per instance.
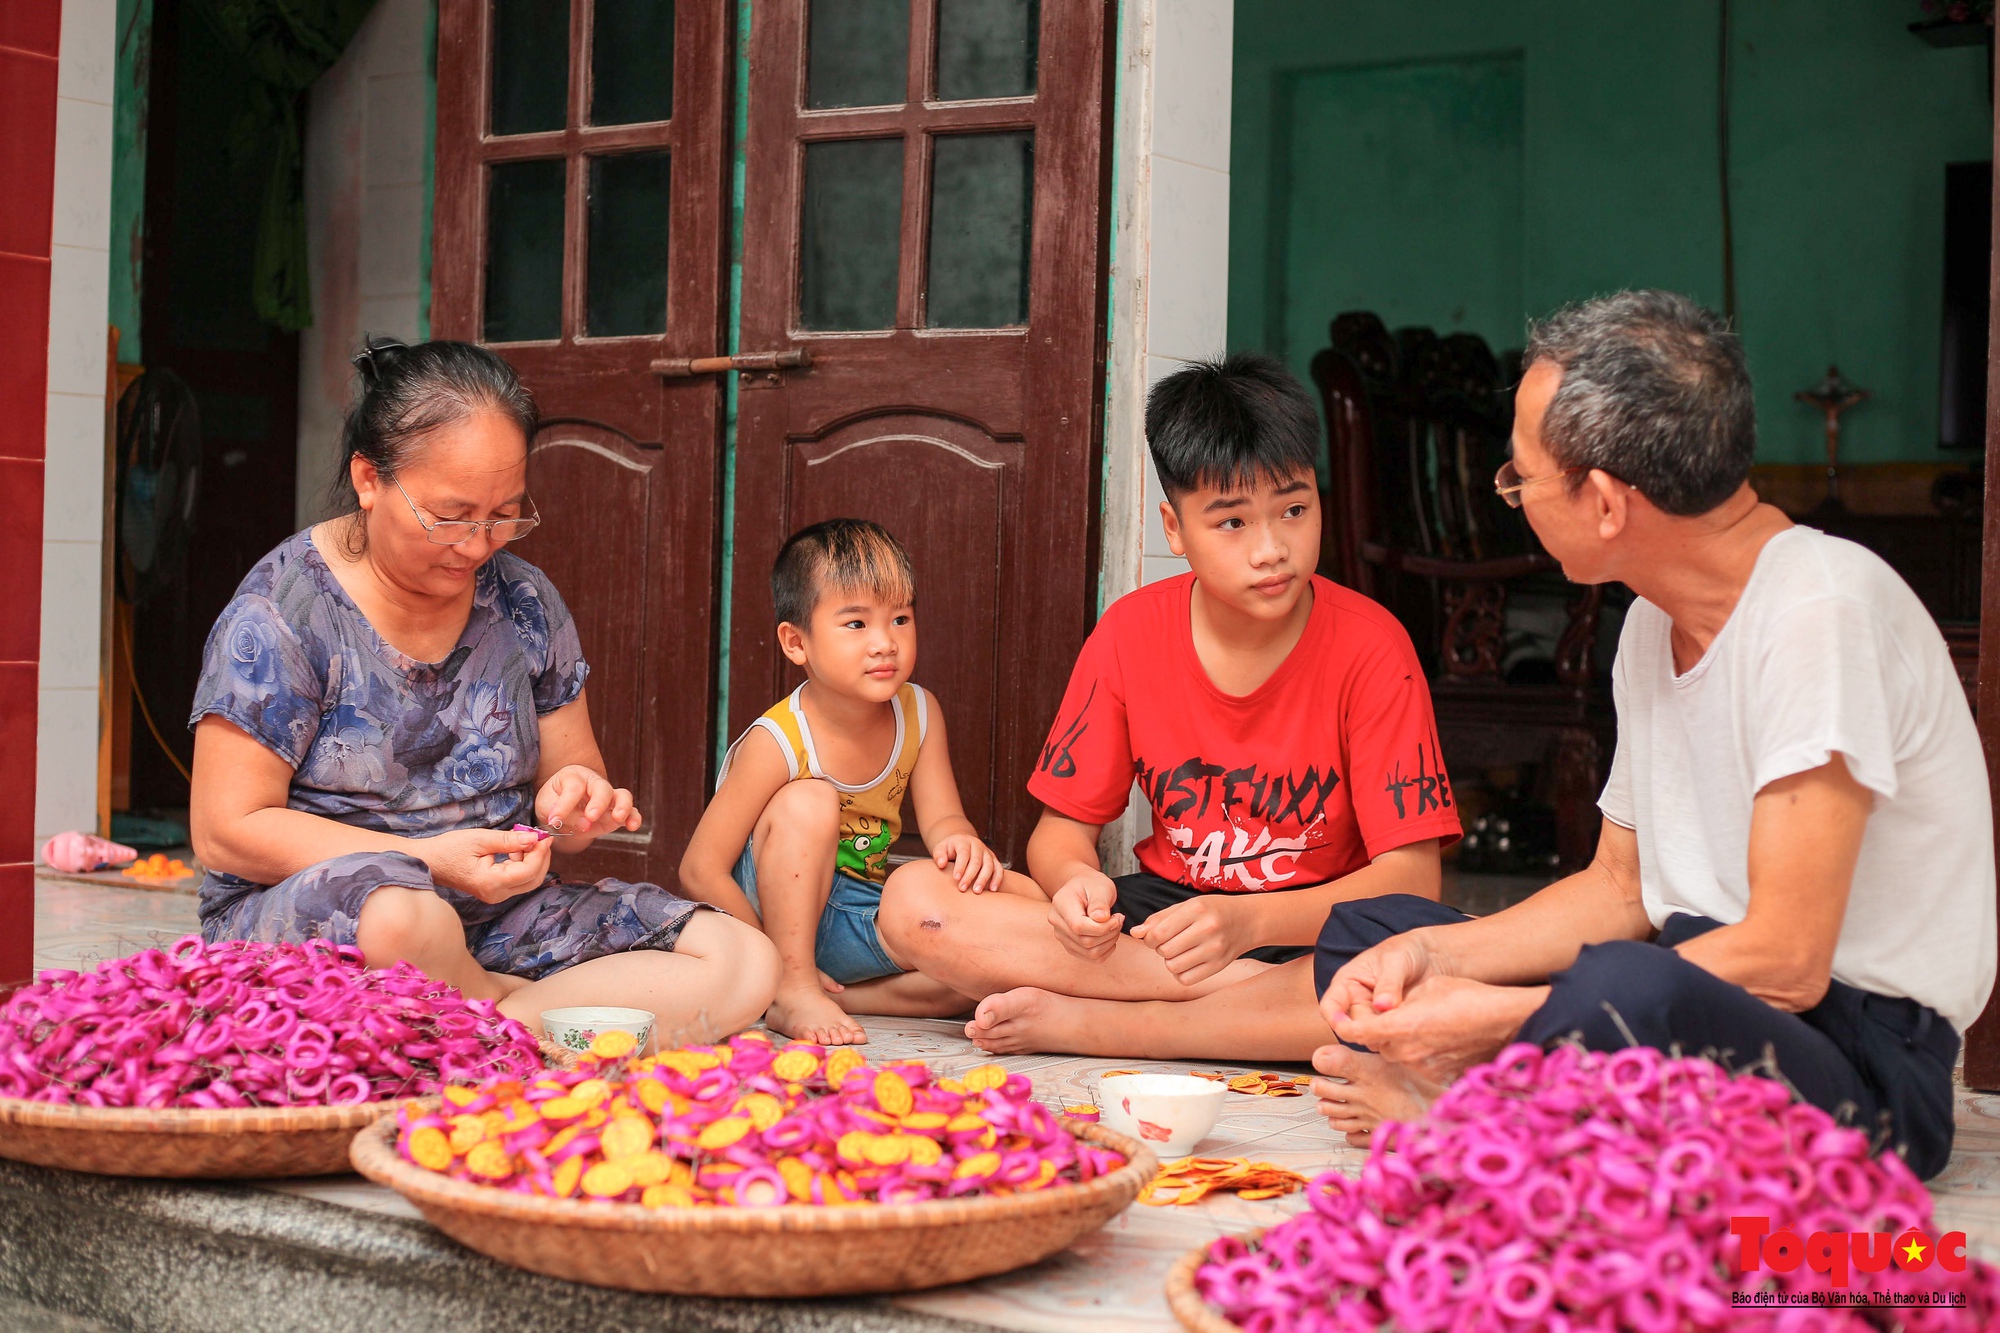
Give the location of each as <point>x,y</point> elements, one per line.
<point>1141,895</point>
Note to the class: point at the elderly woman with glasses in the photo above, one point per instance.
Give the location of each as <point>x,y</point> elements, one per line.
<point>392,739</point>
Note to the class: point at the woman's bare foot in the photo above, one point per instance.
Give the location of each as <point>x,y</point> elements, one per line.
<point>1028,1019</point>
<point>1362,1090</point>
<point>807,1013</point>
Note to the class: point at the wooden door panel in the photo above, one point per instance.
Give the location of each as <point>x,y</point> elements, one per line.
<point>627,470</point>
<point>977,447</point>
<point>585,468</point>
<point>941,485</point>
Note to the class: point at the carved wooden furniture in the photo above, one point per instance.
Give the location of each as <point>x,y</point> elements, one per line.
<point>1416,427</point>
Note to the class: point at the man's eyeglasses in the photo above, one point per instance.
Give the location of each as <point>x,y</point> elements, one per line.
<point>458,531</point>
<point>1508,483</point>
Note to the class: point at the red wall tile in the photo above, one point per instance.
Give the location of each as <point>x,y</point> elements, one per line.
<point>29,33</point>
<point>18,697</point>
<point>17,903</point>
<point>27,150</point>
<point>24,356</point>
<point>20,548</point>
<point>32,25</point>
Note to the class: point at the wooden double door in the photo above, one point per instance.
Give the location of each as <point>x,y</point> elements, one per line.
<point>922,187</point>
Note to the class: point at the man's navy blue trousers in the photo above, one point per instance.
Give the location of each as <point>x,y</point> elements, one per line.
<point>1879,1063</point>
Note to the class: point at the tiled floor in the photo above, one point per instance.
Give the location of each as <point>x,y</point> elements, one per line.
<point>1109,1282</point>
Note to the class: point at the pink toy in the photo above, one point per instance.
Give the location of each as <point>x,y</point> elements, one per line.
<point>79,853</point>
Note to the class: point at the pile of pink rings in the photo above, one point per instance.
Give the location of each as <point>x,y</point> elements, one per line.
<point>241,1024</point>
<point>1572,1191</point>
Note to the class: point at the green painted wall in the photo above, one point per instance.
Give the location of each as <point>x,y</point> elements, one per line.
<point>1471,165</point>
<point>128,169</point>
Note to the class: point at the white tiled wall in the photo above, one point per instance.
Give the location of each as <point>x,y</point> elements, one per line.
<point>1170,275</point>
<point>73,503</point>
<point>1172,303</point>
<point>364,222</point>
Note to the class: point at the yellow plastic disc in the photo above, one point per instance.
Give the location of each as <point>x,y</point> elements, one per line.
<point>840,1064</point>
<point>982,1164</point>
<point>650,1169</point>
<point>722,1133</point>
<point>794,1066</point>
<point>892,1094</point>
<point>984,1077</point>
<point>614,1044</point>
<point>888,1149</point>
<point>626,1136</point>
<point>607,1180</point>
<point>489,1161</point>
<point>430,1148</point>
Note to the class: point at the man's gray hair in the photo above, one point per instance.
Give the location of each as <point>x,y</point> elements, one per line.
<point>1655,392</point>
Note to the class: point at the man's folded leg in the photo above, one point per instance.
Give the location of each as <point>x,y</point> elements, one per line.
<point>1358,925</point>
<point>1869,1061</point>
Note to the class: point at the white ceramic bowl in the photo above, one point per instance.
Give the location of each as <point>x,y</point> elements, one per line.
<point>1169,1113</point>
<point>574,1029</point>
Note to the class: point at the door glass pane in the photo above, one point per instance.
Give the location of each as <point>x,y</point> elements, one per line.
<point>530,65</point>
<point>632,61</point>
<point>857,53</point>
<point>848,233</point>
<point>982,203</point>
<point>986,48</point>
<point>524,251</point>
<point>628,245</point>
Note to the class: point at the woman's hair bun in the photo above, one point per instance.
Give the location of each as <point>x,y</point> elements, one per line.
<point>377,356</point>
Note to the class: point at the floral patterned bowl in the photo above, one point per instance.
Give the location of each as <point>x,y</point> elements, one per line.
<point>574,1029</point>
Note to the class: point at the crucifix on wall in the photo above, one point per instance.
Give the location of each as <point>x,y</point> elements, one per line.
<point>1832,396</point>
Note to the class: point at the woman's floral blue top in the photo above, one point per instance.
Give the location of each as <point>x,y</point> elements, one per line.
<point>377,738</point>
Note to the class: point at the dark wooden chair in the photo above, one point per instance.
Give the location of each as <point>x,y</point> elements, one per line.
<point>1417,426</point>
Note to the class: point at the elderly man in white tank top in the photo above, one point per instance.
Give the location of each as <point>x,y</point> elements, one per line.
<point>1796,867</point>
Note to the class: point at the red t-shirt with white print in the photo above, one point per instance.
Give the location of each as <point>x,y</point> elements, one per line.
<point>1331,762</point>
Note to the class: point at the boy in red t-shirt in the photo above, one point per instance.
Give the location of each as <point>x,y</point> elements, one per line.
<point>1278,725</point>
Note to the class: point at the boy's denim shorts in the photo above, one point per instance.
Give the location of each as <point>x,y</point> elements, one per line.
<point>848,948</point>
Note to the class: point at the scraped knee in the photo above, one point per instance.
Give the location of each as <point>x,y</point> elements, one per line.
<point>916,910</point>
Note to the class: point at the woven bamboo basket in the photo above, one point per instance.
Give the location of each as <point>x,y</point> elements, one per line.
<point>260,1142</point>
<point>790,1251</point>
<point>1196,1314</point>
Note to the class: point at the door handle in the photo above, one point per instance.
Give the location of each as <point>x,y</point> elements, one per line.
<point>680,367</point>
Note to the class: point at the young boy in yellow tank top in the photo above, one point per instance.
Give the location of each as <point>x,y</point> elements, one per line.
<point>810,799</point>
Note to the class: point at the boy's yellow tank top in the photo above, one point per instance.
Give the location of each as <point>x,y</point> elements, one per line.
<point>871,813</point>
